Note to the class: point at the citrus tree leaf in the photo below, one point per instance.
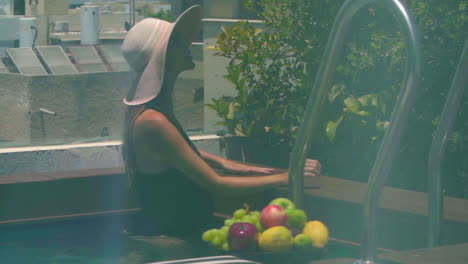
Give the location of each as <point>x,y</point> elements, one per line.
<point>335,91</point>
<point>330,130</point>
<point>363,113</point>
<point>352,104</point>
<point>231,111</point>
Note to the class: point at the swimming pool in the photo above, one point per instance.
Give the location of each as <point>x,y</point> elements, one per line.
<point>99,240</point>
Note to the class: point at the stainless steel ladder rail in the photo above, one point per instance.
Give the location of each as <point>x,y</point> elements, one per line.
<point>132,12</point>
<point>438,147</point>
<point>398,120</point>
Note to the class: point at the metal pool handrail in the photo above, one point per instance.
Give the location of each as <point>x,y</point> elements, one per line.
<point>398,120</point>
<point>132,12</point>
<point>438,147</point>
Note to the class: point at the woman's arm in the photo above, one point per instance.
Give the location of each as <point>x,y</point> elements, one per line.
<point>232,166</point>
<point>161,137</point>
<point>213,160</point>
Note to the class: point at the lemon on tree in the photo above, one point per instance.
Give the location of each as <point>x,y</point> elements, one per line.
<point>276,239</point>
<point>317,232</point>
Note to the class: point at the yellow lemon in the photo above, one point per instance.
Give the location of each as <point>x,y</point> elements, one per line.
<point>317,232</point>
<point>276,239</point>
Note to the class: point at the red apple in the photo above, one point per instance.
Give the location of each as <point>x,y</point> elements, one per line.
<point>242,236</point>
<point>273,215</point>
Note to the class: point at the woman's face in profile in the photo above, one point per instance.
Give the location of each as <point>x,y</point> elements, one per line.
<point>178,57</point>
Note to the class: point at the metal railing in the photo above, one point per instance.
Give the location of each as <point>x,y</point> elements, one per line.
<point>398,120</point>
<point>132,13</point>
<point>438,147</point>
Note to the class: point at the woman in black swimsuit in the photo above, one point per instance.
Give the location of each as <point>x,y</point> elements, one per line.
<point>172,178</point>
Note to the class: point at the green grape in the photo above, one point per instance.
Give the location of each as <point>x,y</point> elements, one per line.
<point>225,247</point>
<point>239,213</point>
<point>228,222</point>
<point>208,235</point>
<point>254,221</point>
<point>259,227</point>
<point>223,234</point>
<point>217,233</point>
<point>255,213</point>
<point>225,229</point>
<point>247,219</point>
<point>256,217</point>
<point>216,242</point>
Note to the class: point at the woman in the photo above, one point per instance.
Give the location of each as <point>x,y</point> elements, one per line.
<point>173,179</point>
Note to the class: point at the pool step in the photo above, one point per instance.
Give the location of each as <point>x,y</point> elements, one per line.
<point>453,254</point>
<point>226,259</point>
<point>65,194</point>
<point>334,261</point>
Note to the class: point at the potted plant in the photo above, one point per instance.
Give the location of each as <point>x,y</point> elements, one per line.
<point>270,98</point>
<point>270,70</point>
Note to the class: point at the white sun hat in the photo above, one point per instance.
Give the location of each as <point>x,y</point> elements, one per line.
<point>145,46</point>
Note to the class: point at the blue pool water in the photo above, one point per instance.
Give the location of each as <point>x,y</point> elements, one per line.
<point>100,241</point>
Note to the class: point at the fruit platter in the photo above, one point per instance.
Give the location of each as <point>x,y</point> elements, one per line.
<point>279,233</point>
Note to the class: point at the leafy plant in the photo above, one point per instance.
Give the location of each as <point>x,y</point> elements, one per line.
<point>269,80</point>
<point>161,14</point>
<point>272,71</point>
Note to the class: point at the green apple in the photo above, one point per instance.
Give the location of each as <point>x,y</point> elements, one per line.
<point>283,203</point>
<point>296,218</point>
<point>302,241</point>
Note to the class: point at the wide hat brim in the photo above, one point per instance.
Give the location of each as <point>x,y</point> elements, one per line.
<point>147,87</point>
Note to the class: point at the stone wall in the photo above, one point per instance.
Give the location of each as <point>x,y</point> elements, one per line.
<point>84,104</point>
<point>88,106</point>
<point>15,122</point>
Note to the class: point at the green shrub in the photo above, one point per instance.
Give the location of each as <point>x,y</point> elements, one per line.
<point>273,69</point>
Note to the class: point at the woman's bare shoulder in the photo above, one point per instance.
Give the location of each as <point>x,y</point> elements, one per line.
<point>152,120</point>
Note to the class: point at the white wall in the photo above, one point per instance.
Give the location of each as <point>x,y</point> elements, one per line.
<point>9,27</point>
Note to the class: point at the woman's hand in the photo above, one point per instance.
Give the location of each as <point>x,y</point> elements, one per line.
<point>237,167</point>
<point>312,168</point>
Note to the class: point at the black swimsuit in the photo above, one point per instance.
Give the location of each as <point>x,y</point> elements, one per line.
<point>171,203</point>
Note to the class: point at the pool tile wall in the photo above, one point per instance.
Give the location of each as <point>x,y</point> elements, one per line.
<point>59,181</point>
